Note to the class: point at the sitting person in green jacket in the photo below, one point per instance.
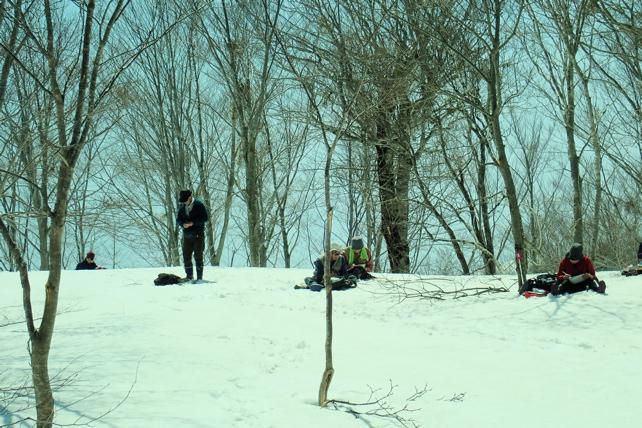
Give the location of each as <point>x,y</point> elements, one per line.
<point>359,259</point>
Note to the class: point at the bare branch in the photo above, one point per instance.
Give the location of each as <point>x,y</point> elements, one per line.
<point>380,407</point>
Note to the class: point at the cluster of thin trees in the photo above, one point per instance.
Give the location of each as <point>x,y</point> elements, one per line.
<point>455,136</point>
<point>463,130</point>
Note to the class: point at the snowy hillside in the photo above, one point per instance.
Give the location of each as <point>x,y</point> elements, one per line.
<point>248,351</point>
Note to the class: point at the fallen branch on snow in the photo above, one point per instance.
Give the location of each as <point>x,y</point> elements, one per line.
<point>381,408</point>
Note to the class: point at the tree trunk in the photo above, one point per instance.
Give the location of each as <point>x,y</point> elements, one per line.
<point>229,196</point>
<point>173,235</point>
<point>573,158</point>
<point>394,212</point>
<point>42,205</point>
<point>394,164</point>
<point>594,140</point>
<point>494,112</point>
<point>42,337</point>
<point>42,386</point>
<point>328,373</point>
<point>488,253</point>
<point>252,192</point>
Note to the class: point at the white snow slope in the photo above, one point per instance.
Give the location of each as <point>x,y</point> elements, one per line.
<point>248,351</point>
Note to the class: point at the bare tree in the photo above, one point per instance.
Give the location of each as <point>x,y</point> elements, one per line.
<point>33,133</point>
<point>167,129</point>
<point>379,66</point>
<point>541,183</point>
<point>360,191</point>
<point>487,28</point>
<point>286,154</point>
<point>240,39</point>
<point>462,198</point>
<point>618,57</point>
<point>499,31</point>
<point>615,51</point>
<point>91,74</point>
<point>11,41</point>
<point>305,69</point>
<point>558,64</point>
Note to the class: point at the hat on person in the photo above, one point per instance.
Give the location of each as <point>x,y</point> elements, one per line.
<point>333,247</point>
<point>357,243</point>
<point>576,252</point>
<point>91,255</point>
<point>184,195</point>
<point>336,247</point>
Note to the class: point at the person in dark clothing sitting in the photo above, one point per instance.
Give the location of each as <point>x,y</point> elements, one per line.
<point>89,263</point>
<point>192,217</point>
<point>640,255</point>
<point>576,273</point>
<point>338,269</point>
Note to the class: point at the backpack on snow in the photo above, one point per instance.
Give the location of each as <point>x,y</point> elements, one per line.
<point>631,270</point>
<point>338,284</point>
<point>360,272</point>
<point>167,279</point>
<point>542,282</point>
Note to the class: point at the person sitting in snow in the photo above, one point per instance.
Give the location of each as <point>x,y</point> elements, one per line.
<point>579,267</point>
<point>359,259</point>
<point>640,255</point>
<point>88,263</point>
<point>338,269</point>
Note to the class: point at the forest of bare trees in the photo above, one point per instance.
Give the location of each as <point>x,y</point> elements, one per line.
<point>457,137</point>
<point>466,130</point>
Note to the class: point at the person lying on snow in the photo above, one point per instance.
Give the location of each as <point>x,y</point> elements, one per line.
<point>576,273</point>
<point>338,267</point>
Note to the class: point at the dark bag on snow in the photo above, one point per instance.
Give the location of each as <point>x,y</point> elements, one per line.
<point>361,273</point>
<point>338,284</point>
<point>167,279</point>
<point>542,282</point>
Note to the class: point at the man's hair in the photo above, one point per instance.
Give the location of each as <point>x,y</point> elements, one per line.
<point>184,195</point>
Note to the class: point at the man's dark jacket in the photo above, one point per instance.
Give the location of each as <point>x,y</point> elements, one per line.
<point>197,215</point>
<point>339,268</point>
<point>85,265</point>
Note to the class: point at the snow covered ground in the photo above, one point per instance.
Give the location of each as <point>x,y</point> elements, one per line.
<point>248,351</point>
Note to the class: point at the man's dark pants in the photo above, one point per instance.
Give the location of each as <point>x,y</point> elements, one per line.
<point>193,244</point>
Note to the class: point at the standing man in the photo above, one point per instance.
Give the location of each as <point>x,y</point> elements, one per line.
<point>192,217</point>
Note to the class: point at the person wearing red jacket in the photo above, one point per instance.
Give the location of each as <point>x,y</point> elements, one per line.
<point>575,263</point>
